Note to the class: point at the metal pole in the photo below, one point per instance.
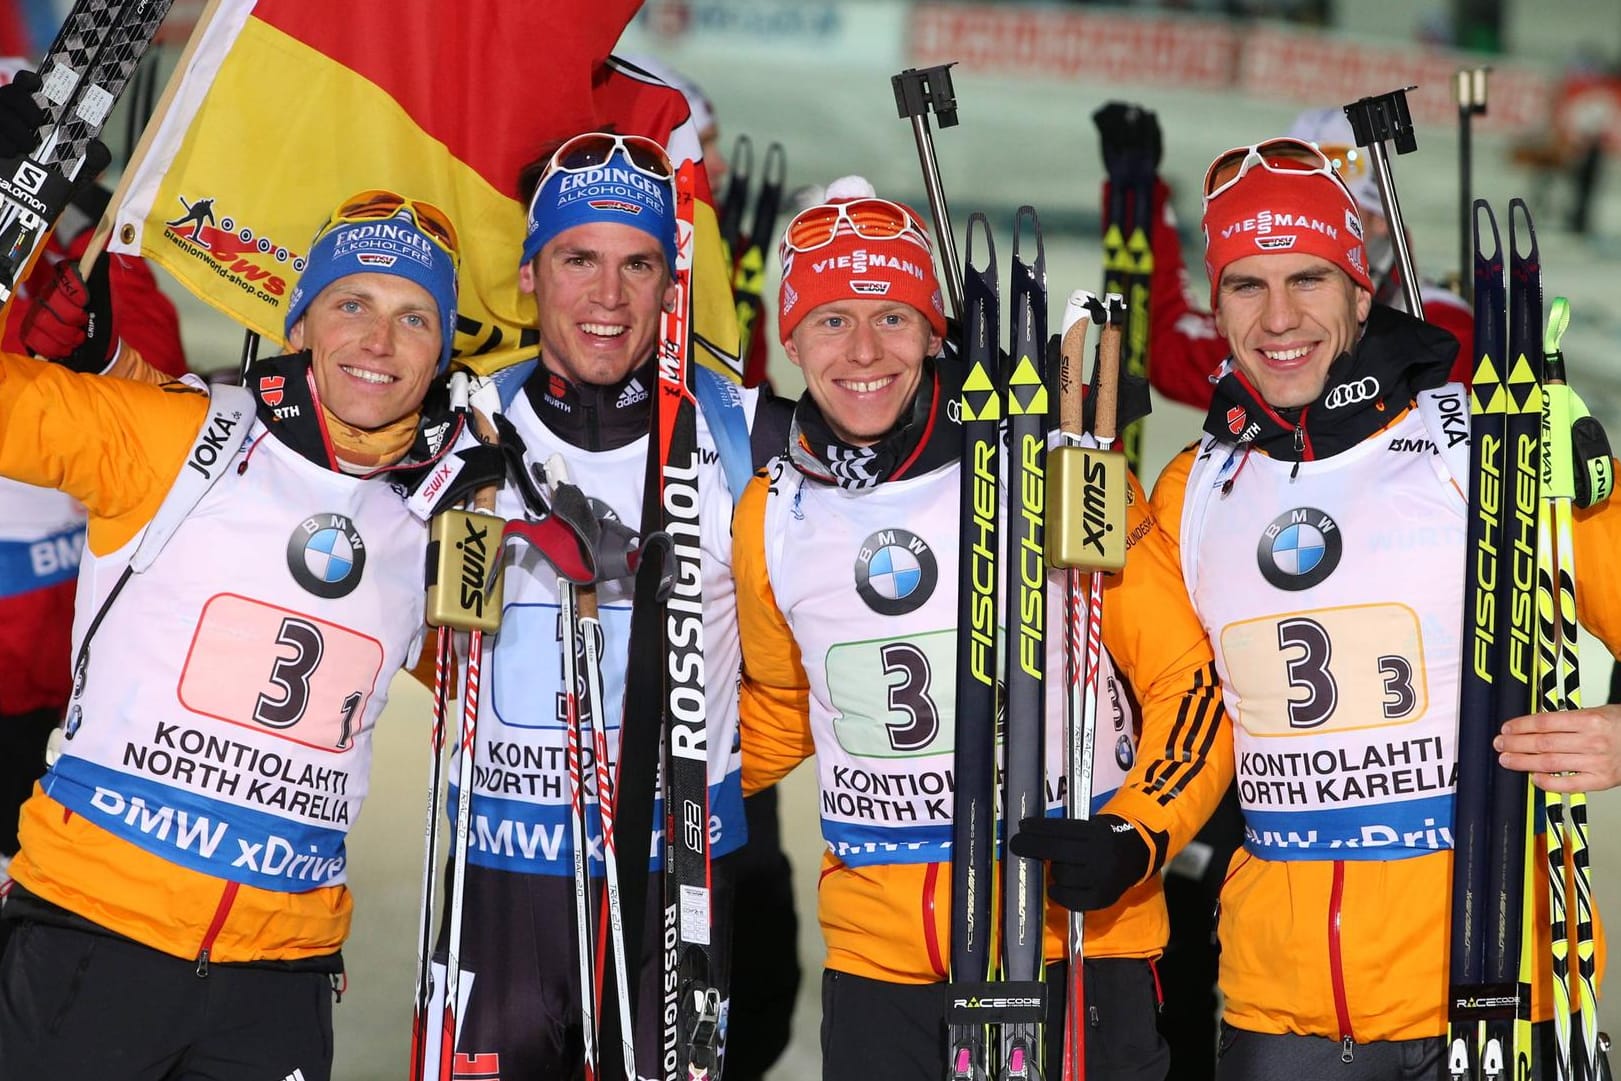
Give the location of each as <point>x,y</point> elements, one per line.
<point>1470,84</point>
<point>1374,120</point>
<point>916,90</point>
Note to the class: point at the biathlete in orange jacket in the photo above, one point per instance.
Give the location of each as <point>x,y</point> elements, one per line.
<point>1320,533</point>
<point>845,555</point>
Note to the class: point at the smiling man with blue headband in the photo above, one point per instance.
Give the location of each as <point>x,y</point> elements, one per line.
<point>597,257</point>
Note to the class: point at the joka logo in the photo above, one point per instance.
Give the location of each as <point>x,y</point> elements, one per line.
<point>1236,418</point>
<point>895,572</point>
<point>272,388</point>
<point>1299,549</point>
<point>1360,390</point>
<point>326,555</point>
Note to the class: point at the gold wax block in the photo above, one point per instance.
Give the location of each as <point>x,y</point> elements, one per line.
<point>1086,508</point>
<point>463,549</point>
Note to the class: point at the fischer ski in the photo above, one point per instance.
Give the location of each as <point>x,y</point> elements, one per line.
<point>1025,599</point>
<point>82,75</point>
<point>1128,268</point>
<point>748,273</point>
<point>969,1012</point>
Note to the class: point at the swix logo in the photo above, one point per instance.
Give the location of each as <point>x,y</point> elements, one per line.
<point>272,388</point>
<point>436,482</point>
<point>211,442</point>
<point>1236,418</point>
<point>1095,524</point>
<point>475,562</point>
<point>1361,390</point>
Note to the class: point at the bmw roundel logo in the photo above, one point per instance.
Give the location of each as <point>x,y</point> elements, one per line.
<point>895,572</point>
<point>1299,549</point>
<point>326,555</point>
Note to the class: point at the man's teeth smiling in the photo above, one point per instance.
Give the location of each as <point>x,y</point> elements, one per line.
<point>1281,355</point>
<point>368,377</point>
<point>605,330</point>
<point>869,385</point>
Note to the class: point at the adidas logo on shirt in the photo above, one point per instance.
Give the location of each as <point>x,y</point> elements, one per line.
<point>296,1075</point>
<point>634,392</point>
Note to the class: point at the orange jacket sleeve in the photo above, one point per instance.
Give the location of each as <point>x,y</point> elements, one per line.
<point>1596,535</point>
<point>1185,751</point>
<point>774,709</point>
<point>113,444</point>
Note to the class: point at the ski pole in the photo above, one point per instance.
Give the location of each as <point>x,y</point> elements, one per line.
<point>430,861</point>
<point>916,91</point>
<point>465,550</point>
<point>569,618</point>
<point>1373,120</point>
<point>1471,90</point>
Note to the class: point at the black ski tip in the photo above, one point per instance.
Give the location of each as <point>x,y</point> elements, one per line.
<point>1027,213</point>
<point>775,170</point>
<point>983,224</point>
<point>1518,211</point>
<point>1483,209</point>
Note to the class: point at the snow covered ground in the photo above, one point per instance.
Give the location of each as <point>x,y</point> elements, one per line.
<point>1020,141</point>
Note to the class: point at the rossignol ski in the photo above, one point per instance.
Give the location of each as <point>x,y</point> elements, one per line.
<point>969,1013</point>
<point>691,1006</point>
<point>1025,598</point>
<point>82,75</point>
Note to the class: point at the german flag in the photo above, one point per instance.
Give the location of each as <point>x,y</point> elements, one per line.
<point>280,108</point>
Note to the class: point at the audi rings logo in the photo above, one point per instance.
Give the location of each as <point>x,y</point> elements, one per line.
<point>1362,390</point>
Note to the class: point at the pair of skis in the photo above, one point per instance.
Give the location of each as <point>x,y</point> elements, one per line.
<point>1015,1004</point>
<point>1519,657</point>
<point>82,75</point>
<point>1128,270</point>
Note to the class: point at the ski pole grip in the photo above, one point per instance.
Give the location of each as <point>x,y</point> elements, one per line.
<point>1072,365</point>
<point>1108,406</point>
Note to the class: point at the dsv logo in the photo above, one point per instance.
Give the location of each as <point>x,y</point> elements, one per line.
<point>1362,390</point>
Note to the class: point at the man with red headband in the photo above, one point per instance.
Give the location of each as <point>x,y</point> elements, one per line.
<point>598,258</point>
<point>845,559</point>
<point>1185,348</point>
<point>251,580</point>
<point>1320,536</point>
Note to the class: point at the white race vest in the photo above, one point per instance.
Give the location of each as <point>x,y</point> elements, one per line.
<point>521,788</point>
<point>224,717</point>
<point>1332,592</point>
<point>867,582</point>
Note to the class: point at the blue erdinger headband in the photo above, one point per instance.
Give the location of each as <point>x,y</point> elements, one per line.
<point>617,192</point>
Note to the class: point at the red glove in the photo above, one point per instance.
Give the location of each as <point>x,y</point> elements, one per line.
<point>71,322</point>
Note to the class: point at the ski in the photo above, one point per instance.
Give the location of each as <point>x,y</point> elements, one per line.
<point>748,275</point>
<point>1511,939</point>
<point>729,217</point>
<point>1128,268</point>
<point>1471,1000</point>
<point>1578,1044</point>
<point>82,75</point>
<point>973,832</point>
<point>691,1002</point>
<point>1025,661</point>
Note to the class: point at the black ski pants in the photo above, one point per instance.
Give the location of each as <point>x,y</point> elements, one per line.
<point>1259,1056</point>
<point>80,1006</point>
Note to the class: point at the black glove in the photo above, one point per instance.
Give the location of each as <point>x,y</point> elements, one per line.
<point>20,116</point>
<point>1131,141</point>
<point>1094,861</point>
<point>71,322</point>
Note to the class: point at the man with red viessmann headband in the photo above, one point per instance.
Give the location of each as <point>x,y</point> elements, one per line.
<point>845,554</point>
<point>1320,526</point>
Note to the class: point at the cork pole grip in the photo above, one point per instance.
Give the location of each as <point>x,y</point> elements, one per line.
<point>1103,418</point>
<point>1072,377</point>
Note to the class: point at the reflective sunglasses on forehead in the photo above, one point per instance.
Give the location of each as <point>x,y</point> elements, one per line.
<point>594,149</point>
<point>380,205</point>
<point>1349,161</point>
<point>870,218</point>
<point>1281,155</point>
